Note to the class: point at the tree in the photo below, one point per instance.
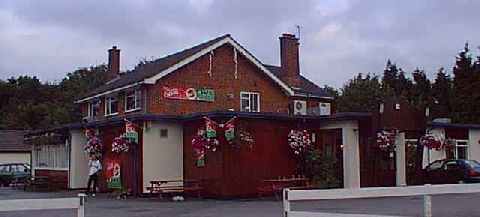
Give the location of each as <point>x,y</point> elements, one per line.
<point>27,103</point>
<point>361,94</point>
<point>421,91</point>
<point>442,93</point>
<point>463,88</point>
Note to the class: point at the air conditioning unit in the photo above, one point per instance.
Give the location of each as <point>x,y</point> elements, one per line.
<point>324,108</point>
<point>299,107</point>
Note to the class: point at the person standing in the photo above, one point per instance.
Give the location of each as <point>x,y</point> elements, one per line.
<point>94,167</point>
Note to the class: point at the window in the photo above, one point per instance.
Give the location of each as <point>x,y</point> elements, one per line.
<point>93,108</point>
<point>111,105</point>
<point>324,108</point>
<point>461,149</point>
<point>51,156</point>
<point>249,102</point>
<point>163,133</point>
<point>435,165</point>
<point>451,165</point>
<point>4,169</point>
<point>132,100</point>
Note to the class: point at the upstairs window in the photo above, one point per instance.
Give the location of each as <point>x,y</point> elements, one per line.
<point>132,100</point>
<point>111,105</point>
<point>93,108</point>
<point>249,102</point>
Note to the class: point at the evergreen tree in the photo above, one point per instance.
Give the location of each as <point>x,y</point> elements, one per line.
<point>442,93</point>
<point>422,88</point>
<point>464,80</point>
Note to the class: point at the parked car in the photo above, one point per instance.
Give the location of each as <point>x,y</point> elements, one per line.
<point>13,172</point>
<point>452,171</point>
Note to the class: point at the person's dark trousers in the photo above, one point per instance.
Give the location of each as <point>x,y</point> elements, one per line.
<point>92,180</point>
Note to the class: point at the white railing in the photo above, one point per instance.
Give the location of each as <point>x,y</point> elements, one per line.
<point>426,191</point>
<point>45,204</point>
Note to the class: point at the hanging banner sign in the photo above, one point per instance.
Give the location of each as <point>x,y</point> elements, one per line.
<point>114,180</point>
<point>199,94</point>
<point>230,130</point>
<point>130,133</point>
<point>211,127</point>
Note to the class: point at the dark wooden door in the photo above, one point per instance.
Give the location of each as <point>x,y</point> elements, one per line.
<point>330,143</point>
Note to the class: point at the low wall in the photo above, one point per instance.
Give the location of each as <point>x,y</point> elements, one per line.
<point>58,179</point>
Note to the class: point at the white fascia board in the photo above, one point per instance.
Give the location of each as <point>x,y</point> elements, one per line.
<point>153,80</point>
<point>310,96</point>
<point>108,92</point>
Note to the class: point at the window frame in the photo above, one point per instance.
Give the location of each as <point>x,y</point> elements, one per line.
<point>250,94</point>
<point>137,96</point>
<point>108,104</point>
<point>51,157</point>
<point>90,105</point>
<point>465,145</point>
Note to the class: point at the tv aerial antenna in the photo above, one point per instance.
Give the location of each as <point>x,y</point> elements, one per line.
<point>298,30</point>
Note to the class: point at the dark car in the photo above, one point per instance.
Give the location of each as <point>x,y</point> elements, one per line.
<point>13,172</point>
<point>452,171</point>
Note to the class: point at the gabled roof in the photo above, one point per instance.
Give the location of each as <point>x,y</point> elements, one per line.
<point>13,141</point>
<point>306,88</point>
<point>150,72</point>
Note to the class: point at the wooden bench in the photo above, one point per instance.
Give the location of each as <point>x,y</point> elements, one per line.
<point>162,187</point>
<point>37,183</point>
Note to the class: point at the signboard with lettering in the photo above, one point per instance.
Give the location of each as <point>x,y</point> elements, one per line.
<point>114,180</point>
<point>130,133</point>
<point>198,94</point>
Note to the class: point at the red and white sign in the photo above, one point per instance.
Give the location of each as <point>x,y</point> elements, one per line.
<point>179,93</point>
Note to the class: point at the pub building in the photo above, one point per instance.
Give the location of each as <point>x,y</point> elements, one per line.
<point>216,113</point>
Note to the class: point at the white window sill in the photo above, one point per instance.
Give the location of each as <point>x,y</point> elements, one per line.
<point>133,110</point>
<point>113,114</point>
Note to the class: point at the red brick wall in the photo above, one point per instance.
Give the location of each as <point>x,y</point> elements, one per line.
<point>222,80</point>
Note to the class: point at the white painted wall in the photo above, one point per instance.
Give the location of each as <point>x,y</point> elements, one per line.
<point>400,160</point>
<point>78,174</point>
<point>17,157</point>
<point>351,152</point>
<point>162,157</point>
<point>473,145</point>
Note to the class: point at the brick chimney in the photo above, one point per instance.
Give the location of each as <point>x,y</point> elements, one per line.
<point>289,59</point>
<point>113,62</point>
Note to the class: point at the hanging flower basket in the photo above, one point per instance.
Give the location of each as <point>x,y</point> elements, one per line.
<point>94,145</point>
<point>120,145</point>
<point>299,141</point>
<point>201,144</point>
<point>386,140</point>
<point>433,142</point>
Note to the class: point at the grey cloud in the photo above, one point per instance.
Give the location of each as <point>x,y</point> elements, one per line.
<point>339,37</point>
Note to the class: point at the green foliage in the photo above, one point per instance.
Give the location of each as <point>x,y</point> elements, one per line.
<point>457,98</point>
<point>27,103</point>
<point>322,169</point>
<point>361,94</point>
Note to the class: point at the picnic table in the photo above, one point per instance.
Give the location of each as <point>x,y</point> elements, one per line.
<point>276,186</point>
<point>162,187</point>
<point>36,183</point>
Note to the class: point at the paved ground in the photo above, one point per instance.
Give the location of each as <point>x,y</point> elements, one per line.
<point>444,206</point>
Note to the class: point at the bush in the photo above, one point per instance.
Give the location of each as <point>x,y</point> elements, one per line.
<point>322,169</point>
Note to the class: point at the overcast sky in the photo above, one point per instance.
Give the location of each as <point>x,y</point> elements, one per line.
<point>339,38</point>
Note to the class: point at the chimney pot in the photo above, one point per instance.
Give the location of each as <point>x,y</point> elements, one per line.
<point>289,59</point>
<point>113,63</point>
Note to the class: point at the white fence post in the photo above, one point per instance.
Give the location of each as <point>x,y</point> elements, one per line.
<point>427,203</point>
<point>81,208</point>
<point>286,203</point>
